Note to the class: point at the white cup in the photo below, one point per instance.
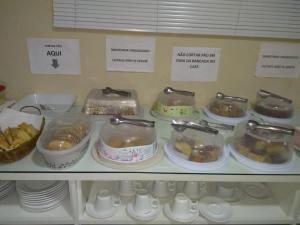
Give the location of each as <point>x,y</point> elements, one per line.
<point>126,188</point>
<point>192,189</point>
<point>104,201</point>
<point>144,202</point>
<point>226,190</point>
<point>163,189</point>
<point>182,205</point>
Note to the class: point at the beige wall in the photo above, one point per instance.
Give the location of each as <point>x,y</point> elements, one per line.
<point>21,19</point>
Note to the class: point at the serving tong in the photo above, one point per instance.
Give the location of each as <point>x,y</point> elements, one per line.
<point>180,126</point>
<point>265,94</point>
<point>220,95</point>
<point>117,120</point>
<point>220,126</point>
<point>169,90</point>
<point>253,125</point>
<point>108,90</point>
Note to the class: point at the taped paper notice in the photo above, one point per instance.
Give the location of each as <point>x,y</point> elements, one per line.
<point>278,60</point>
<point>195,64</point>
<point>130,54</point>
<point>54,56</point>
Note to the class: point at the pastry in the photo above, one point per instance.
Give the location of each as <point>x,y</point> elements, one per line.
<point>226,109</point>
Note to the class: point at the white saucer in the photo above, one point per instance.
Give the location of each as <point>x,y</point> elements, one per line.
<point>266,167</point>
<point>179,160</point>
<point>226,120</point>
<point>255,190</point>
<point>188,218</point>
<point>155,212</point>
<point>215,209</point>
<point>91,211</point>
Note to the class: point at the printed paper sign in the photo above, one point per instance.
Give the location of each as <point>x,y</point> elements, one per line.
<point>195,64</point>
<point>54,56</point>
<point>278,60</point>
<point>133,54</point>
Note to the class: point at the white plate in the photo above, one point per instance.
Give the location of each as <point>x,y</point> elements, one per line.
<point>155,212</point>
<point>196,166</point>
<point>188,218</point>
<point>226,120</point>
<point>45,200</point>
<point>24,187</point>
<point>57,103</point>
<point>42,197</point>
<point>255,190</point>
<point>266,167</point>
<point>215,209</point>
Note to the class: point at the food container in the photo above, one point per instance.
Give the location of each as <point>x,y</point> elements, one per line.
<point>109,101</point>
<point>50,105</point>
<point>126,140</point>
<point>228,106</point>
<point>19,134</point>
<point>196,146</point>
<point>272,105</point>
<point>262,146</point>
<point>227,109</point>
<point>2,93</point>
<point>65,140</point>
<point>172,103</point>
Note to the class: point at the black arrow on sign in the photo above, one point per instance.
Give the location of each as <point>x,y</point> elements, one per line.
<point>55,63</point>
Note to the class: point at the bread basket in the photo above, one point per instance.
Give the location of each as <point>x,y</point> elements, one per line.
<point>12,118</point>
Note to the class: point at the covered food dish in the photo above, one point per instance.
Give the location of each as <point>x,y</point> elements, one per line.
<point>174,103</point>
<point>109,101</point>
<point>196,142</point>
<point>65,140</point>
<point>228,106</point>
<point>272,105</point>
<point>127,140</point>
<point>263,143</point>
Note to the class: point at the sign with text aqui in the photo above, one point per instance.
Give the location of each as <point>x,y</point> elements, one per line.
<point>54,56</point>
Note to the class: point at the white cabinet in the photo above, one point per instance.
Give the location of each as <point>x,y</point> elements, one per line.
<point>283,207</point>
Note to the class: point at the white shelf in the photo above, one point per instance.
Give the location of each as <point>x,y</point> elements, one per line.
<point>33,167</point>
<point>246,211</point>
<point>12,213</point>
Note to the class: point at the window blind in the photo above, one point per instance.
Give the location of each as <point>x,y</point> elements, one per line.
<point>253,18</point>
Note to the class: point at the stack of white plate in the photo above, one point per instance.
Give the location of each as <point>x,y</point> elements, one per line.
<point>41,196</point>
<point>5,187</point>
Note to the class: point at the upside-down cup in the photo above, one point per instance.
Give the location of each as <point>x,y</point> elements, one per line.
<point>65,140</point>
<point>124,140</point>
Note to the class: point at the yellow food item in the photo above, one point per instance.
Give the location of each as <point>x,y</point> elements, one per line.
<point>13,137</point>
<point>183,147</point>
<point>123,142</point>
<point>59,145</point>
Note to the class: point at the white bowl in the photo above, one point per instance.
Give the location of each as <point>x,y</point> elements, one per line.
<point>61,159</point>
<point>51,105</point>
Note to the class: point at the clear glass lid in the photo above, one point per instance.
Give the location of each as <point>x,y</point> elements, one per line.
<point>273,105</point>
<point>122,132</point>
<point>196,142</point>
<point>264,143</point>
<point>228,106</point>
